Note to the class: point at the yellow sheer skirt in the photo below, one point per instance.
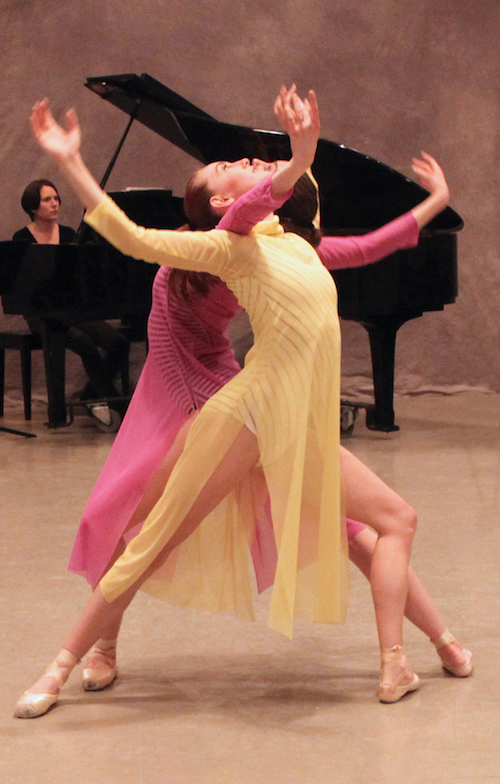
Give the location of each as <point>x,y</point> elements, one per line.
<point>211,569</point>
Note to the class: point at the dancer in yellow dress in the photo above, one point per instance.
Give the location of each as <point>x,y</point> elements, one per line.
<point>278,421</point>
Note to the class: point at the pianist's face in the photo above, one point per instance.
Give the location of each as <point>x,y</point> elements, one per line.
<point>231,180</point>
<point>48,209</point>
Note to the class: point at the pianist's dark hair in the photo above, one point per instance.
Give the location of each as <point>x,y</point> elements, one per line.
<point>30,200</point>
<point>296,215</point>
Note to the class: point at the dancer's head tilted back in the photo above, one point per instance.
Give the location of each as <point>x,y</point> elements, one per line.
<point>212,190</point>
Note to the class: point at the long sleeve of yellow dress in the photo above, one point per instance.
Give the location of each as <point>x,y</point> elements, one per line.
<point>288,394</point>
<point>201,251</point>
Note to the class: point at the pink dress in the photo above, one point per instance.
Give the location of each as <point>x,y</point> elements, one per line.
<point>189,359</point>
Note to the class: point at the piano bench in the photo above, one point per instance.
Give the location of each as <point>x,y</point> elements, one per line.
<point>25,343</point>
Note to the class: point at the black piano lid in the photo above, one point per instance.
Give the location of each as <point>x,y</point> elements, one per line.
<point>358,193</point>
<point>150,103</point>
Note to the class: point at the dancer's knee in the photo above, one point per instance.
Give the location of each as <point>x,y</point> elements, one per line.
<point>400,521</point>
<point>406,521</point>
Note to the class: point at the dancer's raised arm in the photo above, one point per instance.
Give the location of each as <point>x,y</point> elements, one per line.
<point>63,146</point>
<point>432,177</point>
<point>300,119</point>
<point>357,251</point>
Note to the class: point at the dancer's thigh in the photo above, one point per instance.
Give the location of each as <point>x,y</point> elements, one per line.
<point>240,458</point>
<point>369,499</point>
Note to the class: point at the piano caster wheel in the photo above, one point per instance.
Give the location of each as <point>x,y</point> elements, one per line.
<point>113,426</point>
<point>107,419</point>
<point>348,414</point>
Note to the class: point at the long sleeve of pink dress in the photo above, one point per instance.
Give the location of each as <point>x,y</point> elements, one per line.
<point>358,251</point>
<point>334,252</point>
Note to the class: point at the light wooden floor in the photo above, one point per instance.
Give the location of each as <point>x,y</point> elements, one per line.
<point>209,700</point>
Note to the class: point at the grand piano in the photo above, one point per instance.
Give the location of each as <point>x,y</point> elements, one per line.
<point>357,193</point>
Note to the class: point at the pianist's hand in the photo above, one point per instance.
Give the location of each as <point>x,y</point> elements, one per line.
<point>60,143</point>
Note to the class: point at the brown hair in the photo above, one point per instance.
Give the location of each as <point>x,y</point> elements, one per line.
<point>297,214</point>
<point>188,285</point>
<point>197,207</point>
<point>184,284</point>
<point>30,200</point>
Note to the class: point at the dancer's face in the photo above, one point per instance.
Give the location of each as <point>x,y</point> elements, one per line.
<point>232,180</point>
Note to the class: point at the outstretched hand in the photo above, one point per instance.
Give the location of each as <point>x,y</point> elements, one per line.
<point>431,175</point>
<point>58,142</point>
<point>63,145</point>
<point>299,118</point>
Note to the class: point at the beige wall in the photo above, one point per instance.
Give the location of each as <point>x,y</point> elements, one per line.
<point>392,77</point>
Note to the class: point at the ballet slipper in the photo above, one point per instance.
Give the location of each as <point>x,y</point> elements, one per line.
<point>458,670</point>
<point>30,704</point>
<point>396,677</point>
<point>100,670</point>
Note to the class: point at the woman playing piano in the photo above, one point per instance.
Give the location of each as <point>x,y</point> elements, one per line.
<point>41,201</point>
<point>278,419</point>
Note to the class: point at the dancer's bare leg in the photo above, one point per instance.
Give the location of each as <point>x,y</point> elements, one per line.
<point>371,501</point>
<point>420,609</point>
<point>239,459</point>
<point>99,615</point>
<point>101,666</point>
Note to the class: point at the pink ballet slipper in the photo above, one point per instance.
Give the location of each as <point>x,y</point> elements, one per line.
<point>101,669</point>
<point>30,704</point>
<point>396,677</point>
<point>458,670</point>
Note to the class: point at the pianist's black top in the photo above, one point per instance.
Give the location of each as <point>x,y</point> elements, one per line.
<point>66,234</point>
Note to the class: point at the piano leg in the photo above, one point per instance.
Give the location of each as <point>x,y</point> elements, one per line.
<point>54,353</point>
<point>382,333</point>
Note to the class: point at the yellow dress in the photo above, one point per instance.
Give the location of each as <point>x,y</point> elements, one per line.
<point>288,394</point>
